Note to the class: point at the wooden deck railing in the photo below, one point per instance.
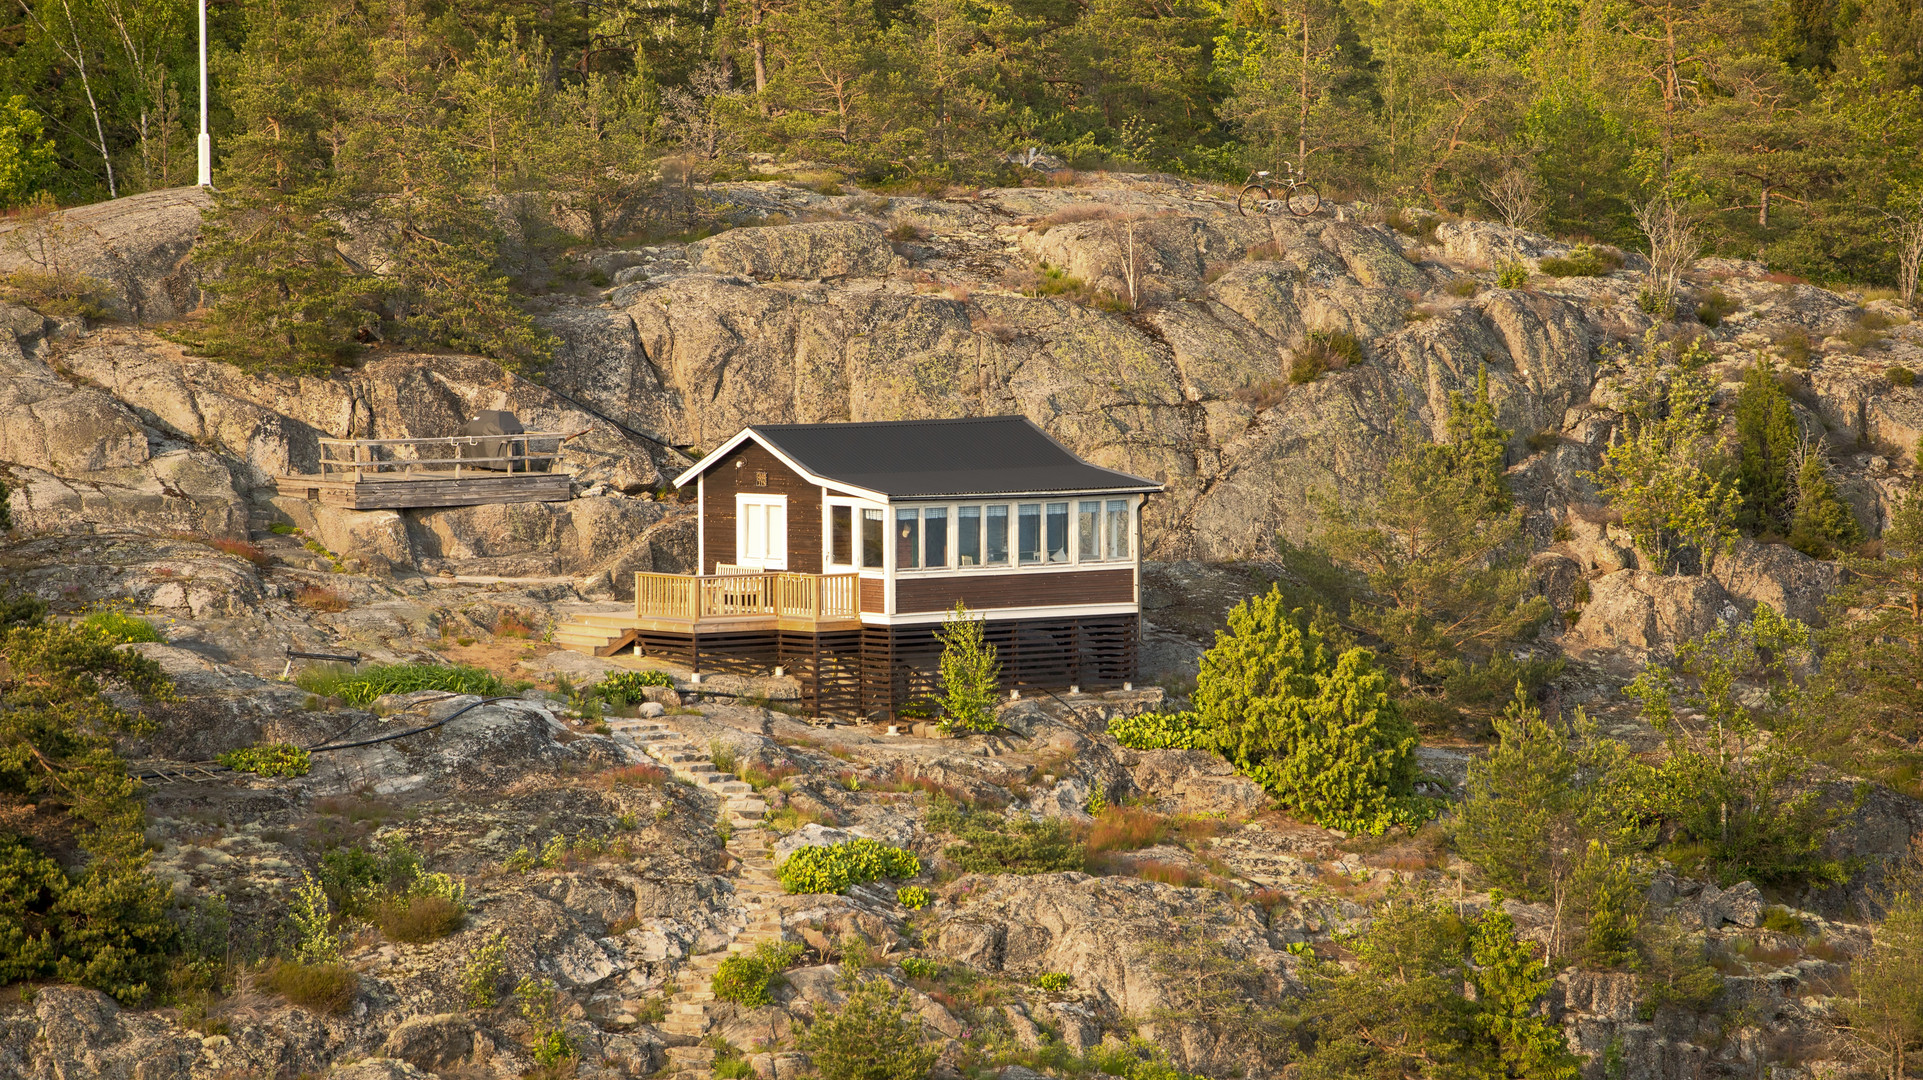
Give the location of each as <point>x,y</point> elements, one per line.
<point>449,456</point>
<point>687,598</point>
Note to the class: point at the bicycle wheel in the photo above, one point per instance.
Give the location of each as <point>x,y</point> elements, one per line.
<point>1303,200</point>
<point>1253,198</point>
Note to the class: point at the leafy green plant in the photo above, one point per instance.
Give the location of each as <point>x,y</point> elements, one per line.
<point>627,687</point>
<point>912,897</point>
<point>970,672</point>
<point>1159,731</point>
<point>1054,981</point>
<point>361,687</point>
<point>993,844</point>
<point>1900,375</point>
<point>830,868</point>
<point>269,759</point>
<point>1511,275</point>
<point>548,1040</point>
<point>1714,306</point>
<point>916,967</point>
<point>481,978</point>
<point>315,942</point>
<point>1583,260</point>
<point>749,978</point>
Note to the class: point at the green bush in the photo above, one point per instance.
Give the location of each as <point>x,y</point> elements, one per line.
<point>874,1035</point>
<point>1511,275</point>
<point>1582,261</point>
<point>321,988</point>
<point>120,627</point>
<point>481,979</point>
<point>970,673</point>
<point>269,759</point>
<point>1315,728</point>
<point>1900,376</point>
<point>748,978</point>
<point>548,1041</point>
<point>418,919</point>
<point>626,687</point>
<point>1714,306</point>
<point>912,897</point>
<point>360,688</point>
<point>1159,731</point>
<point>916,967</point>
<point>1054,981</point>
<point>830,868</point>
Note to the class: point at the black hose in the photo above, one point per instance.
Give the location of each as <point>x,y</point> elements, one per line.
<point>212,766</point>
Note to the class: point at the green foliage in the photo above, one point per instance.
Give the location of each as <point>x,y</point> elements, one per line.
<point>486,968</point>
<point>830,868</point>
<point>1885,1012</point>
<point>1318,731</point>
<point>1439,545</point>
<point>312,919</point>
<point>912,897</point>
<point>548,1040</point>
<point>874,1034</point>
<point>103,923</point>
<point>1403,1006</point>
<point>1823,522</point>
<point>269,759</point>
<point>625,687</point>
<point>1606,894</point>
<point>1583,260</point>
<point>1675,970</point>
<point>119,628</point>
<point>748,978</point>
<point>916,967</point>
<point>1746,798</point>
<point>1654,471</point>
<point>6,512</point>
<point>1054,982</point>
<point>1518,796</point>
<point>317,987</point>
<point>970,673</point>
<point>1159,731</point>
<point>361,687</point>
<point>1766,438</point>
<point>27,158</point>
<point>993,844</point>
<point>1714,306</point>
<point>1511,275</point>
<point>1865,707</point>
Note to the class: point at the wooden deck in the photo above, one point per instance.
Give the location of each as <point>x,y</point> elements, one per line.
<point>721,605</point>
<point>463,470</point>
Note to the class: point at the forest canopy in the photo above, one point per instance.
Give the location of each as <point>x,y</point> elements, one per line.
<point>1792,126</point>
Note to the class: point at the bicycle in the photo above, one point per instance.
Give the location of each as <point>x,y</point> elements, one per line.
<point>1299,198</point>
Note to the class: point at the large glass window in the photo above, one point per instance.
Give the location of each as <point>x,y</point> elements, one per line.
<point>841,535</point>
<point>1088,531</point>
<point>907,539</point>
<point>934,537</point>
<point>995,536</point>
<point>1057,532</point>
<point>874,538</point>
<point>968,535</point>
<point>1118,529</point>
<point>1028,532</point>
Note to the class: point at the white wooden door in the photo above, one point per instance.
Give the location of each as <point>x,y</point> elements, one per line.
<point>761,531</point>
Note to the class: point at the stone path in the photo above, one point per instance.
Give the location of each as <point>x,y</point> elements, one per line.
<point>752,870</point>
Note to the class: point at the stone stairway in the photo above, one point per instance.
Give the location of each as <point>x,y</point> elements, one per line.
<point>752,868</point>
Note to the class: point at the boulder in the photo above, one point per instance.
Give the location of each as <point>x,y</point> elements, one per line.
<point>1195,782</point>
<point>378,538</point>
<point>1634,614</point>
<point>812,251</point>
<point>380,1068</point>
<point>437,1042</point>
<point>1787,580</point>
<point>812,834</point>
<point>137,247</point>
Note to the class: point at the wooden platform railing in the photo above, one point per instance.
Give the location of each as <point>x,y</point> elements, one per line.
<point>687,598</point>
<point>446,456</point>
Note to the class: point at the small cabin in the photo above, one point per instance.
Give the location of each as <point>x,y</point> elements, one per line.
<point>835,551</point>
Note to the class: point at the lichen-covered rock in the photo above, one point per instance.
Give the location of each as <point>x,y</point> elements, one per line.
<point>1633,614</point>
<point>813,251</point>
<point>137,247</point>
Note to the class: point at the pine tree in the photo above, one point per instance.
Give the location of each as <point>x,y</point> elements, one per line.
<point>872,1035</point>
<point>1823,521</point>
<point>1317,730</point>
<point>1519,798</point>
<point>1765,441</point>
<point>1438,545</point>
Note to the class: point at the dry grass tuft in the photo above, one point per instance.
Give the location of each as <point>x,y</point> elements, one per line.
<point>321,988</point>
<point>419,919</point>
<point>320,598</point>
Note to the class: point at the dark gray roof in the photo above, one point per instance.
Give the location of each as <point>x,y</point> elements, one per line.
<point>987,455</point>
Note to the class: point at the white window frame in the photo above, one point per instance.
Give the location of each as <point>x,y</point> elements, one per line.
<point>742,502</point>
<point>1014,563</point>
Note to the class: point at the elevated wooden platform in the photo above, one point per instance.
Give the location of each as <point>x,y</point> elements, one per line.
<point>385,491</point>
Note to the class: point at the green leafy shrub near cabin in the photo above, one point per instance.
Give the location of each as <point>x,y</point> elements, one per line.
<point>269,759</point>
<point>830,868</point>
<point>361,688</point>
<point>627,687</point>
<point>1159,731</point>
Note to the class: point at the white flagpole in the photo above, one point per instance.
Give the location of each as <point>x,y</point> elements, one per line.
<point>206,139</point>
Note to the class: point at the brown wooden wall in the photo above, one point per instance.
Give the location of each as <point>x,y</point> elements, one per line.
<point>874,595</point>
<point>724,482</point>
<point>1028,589</point>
